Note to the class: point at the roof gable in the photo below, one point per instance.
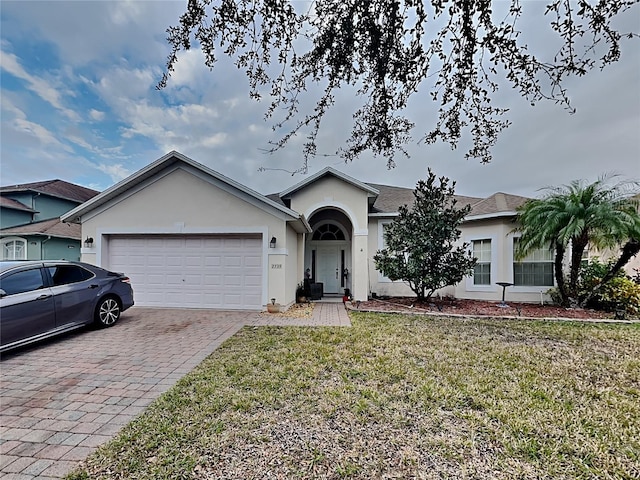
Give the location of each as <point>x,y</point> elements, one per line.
<point>329,171</point>
<point>177,160</point>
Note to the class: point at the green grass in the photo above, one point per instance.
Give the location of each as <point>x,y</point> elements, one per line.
<point>396,397</point>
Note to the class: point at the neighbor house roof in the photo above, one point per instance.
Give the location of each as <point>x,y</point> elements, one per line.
<point>54,188</point>
<point>6,202</point>
<point>52,227</point>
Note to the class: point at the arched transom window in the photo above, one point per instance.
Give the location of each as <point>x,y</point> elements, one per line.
<point>14,248</point>
<point>328,231</point>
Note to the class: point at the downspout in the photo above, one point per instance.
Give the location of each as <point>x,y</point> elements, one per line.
<point>41,246</point>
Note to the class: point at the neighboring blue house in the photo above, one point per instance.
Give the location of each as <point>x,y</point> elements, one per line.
<point>30,226</point>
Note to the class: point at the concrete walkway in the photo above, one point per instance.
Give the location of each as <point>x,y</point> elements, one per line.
<point>326,313</point>
<point>61,399</point>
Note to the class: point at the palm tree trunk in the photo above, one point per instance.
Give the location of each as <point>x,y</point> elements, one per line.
<point>578,244</point>
<point>560,274</point>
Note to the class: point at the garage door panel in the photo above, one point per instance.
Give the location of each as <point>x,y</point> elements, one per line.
<point>252,298</point>
<point>212,260</point>
<point>155,279</point>
<point>174,260</point>
<point>212,280</point>
<point>193,280</point>
<point>191,271</point>
<point>155,261</point>
<point>250,261</point>
<point>193,261</point>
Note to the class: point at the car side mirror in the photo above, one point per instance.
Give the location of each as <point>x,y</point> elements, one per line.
<point>2,293</point>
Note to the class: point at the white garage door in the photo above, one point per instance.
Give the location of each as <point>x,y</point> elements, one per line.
<point>191,271</point>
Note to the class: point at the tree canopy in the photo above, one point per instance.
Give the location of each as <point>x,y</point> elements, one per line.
<point>392,52</point>
<point>421,242</point>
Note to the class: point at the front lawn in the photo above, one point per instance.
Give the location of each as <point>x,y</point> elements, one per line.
<point>396,397</point>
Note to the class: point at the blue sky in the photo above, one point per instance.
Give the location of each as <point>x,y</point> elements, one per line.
<point>79,103</point>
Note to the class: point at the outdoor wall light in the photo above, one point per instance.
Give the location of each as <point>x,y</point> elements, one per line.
<point>272,243</point>
<point>88,242</point>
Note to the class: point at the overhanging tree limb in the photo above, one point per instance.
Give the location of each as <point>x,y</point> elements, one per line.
<point>388,51</point>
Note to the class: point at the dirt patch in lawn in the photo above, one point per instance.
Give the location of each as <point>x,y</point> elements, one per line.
<point>479,308</point>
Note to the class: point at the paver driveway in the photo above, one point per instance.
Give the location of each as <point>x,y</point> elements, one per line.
<point>61,399</point>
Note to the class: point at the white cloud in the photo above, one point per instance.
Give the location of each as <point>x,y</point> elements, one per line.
<point>16,122</point>
<point>116,171</point>
<point>96,115</point>
<point>209,117</point>
<point>40,87</point>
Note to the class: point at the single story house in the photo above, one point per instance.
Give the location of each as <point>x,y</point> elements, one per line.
<point>190,237</point>
<point>30,226</point>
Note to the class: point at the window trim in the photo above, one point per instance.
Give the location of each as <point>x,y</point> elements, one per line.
<point>493,269</point>
<point>525,288</point>
<point>7,240</point>
<point>381,224</point>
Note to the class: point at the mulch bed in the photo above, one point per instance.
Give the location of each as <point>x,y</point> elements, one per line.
<point>478,308</point>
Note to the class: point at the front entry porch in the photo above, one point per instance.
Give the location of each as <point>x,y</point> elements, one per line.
<point>328,252</point>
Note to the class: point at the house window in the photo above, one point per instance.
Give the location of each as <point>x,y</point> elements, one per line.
<point>328,231</point>
<point>536,269</point>
<point>14,249</point>
<point>482,270</point>
<point>385,227</point>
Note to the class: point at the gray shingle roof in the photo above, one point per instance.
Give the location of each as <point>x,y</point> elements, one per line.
<point>391,198</point>
<point>54,188</point>
<point>53,227</point>
<point>497,203</point>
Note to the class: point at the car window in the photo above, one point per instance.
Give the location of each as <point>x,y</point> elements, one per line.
<point>66,274</point>
<point>24,281</point>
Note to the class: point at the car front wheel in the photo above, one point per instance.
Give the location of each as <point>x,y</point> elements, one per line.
<point>107,312</point>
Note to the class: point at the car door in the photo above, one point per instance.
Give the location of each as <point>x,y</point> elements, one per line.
<point>74,290</point>
<point>26,306</point>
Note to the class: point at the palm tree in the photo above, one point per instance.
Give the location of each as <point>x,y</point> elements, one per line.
<point>573,216</point>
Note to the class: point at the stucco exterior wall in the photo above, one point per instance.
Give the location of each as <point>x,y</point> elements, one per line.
<point>183,202</point>
<point>332,192</point>
<point>498,231</point>
<point>180,201</point>
<point>380,285</point>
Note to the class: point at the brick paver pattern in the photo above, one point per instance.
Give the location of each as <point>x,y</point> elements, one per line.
<point>61,399</point>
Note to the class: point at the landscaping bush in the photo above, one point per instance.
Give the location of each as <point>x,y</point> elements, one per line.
<point>619,294</point>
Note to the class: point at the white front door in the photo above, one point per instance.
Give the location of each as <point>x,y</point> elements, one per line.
<point>328,261</point>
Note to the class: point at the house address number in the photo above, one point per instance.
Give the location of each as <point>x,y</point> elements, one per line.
<point>276,266</point>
